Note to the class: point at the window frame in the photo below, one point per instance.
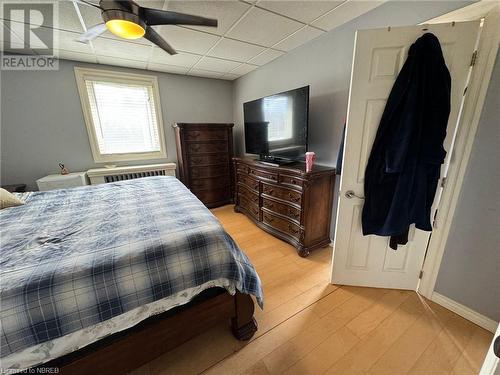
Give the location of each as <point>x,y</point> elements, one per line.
<point>84,74</point>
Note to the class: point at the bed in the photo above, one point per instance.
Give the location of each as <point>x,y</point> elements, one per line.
<point>80,266</point>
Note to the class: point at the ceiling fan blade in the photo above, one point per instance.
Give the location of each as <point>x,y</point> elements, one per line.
<point>166,17</point>
<point>92,33</point>
<point>155,38</point>
<point>89,3</point>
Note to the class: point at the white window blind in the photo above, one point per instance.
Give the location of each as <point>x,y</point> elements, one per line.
<point>124,117</point>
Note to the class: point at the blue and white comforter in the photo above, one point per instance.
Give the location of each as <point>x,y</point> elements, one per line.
<point>75,259</point>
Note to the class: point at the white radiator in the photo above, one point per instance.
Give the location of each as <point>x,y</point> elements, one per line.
<point>105,175</point>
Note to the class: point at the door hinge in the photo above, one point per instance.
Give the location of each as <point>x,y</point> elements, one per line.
<point>421,274</point>
<point>443,182</point>
<point>473,59</point>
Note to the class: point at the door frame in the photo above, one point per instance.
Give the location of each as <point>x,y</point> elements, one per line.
<point>473,108</point>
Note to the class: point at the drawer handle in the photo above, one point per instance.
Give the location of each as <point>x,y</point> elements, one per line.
<point>294,182</point>
<point>270,219</point>
<point>293,214</point>
<point>269,191</point>
<point>292,229</point>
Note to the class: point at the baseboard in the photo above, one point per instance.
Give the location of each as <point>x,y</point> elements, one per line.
<point>465,312</point>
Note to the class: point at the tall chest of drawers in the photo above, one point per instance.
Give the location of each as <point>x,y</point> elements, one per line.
<point>204,155</point>
<point>287,201</point>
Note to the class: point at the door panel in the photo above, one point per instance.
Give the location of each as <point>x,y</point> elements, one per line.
<point>378,57</point>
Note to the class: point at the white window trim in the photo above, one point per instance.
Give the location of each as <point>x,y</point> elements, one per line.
<point>84,74</point>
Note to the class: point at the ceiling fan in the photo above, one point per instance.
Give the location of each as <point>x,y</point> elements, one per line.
<point>129,20</point>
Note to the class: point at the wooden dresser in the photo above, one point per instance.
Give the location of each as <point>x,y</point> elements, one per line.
<point>204,154</point>
<point>286,201</point>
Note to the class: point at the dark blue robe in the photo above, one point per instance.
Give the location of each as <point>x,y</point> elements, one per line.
<point>404,164</point>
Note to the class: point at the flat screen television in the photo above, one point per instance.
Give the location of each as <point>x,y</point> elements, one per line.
<point>276,125</point>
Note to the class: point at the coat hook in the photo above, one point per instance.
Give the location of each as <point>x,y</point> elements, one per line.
<point>388,28</point>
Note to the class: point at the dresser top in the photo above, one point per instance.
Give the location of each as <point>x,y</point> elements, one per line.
<point>202,124</point>
<point>295,167</point>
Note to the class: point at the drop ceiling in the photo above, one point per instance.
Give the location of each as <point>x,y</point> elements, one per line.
<point>250,34</point>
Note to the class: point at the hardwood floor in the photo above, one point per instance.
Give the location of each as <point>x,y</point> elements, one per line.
<point>309,326</point>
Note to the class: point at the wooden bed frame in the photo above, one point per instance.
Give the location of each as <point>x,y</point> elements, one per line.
<point>125,351</point>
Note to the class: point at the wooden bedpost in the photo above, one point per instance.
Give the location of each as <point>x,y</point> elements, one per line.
<point>243,323</point>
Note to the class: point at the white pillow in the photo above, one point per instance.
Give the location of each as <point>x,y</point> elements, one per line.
<point>8,199</point>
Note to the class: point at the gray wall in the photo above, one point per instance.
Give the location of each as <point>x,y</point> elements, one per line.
<point>325,65</point>
<point>470,270</point>
<point>42,120</point>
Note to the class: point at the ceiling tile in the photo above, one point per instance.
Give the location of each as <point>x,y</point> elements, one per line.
<point>121,49</point>
<point>216,65</point>
<point>243,69</point>
<point>68,18</point>
<point>187,40</point>
<point>184,59</point>
<point>300,37</point>
<point>265,57</point>
<point>263,28</point>
<point>235,50</point>
<point>230,76</point>
<point>226,12</point>
<point>344,13</point>
<point>167,68</point>
<point>76,56</point>
<point>68,41</point>
<point>304,11</point>
<point>118,61</point>
<point>205,73</point>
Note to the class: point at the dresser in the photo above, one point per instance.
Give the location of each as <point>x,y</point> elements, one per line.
<point>204,155</point>
<point>287,201</point>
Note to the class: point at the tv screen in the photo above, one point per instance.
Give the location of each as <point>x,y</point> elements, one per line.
<point>276,126</point>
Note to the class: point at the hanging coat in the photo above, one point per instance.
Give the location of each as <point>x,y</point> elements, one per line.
<point>404,165</point>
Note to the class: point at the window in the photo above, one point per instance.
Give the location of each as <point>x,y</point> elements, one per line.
<point>122,114</point>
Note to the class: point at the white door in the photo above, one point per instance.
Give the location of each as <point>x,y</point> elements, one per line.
<point>491,364</point>
<point>378,57</point>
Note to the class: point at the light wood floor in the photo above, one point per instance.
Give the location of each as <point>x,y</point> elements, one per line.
<point>309,326</point>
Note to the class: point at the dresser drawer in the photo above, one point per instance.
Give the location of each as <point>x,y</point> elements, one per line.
<point>290,181</point>
<point>283,209</point>
<point>289,195</point>
<point>206,135</point>
<point>248,181</point>
<point>243,191</point>
<point>200,148</point>
<point>210,159</point>
<point>210,183</point>
<point>251,208</point>
<point>242,168</point>
<point>282,225</point>
<point>263,174</point>
<point>209,171</point>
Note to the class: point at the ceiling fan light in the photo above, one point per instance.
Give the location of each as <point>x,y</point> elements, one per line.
<point>125,29</point>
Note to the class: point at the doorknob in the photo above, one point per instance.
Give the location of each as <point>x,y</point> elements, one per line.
<point>351,194</point>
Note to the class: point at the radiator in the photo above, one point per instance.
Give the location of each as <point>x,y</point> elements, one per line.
<point>105,175</point>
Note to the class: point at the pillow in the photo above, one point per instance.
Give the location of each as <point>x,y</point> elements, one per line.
<point>8,199</point>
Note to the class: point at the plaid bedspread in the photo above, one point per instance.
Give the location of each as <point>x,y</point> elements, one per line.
<point>75,257</point>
